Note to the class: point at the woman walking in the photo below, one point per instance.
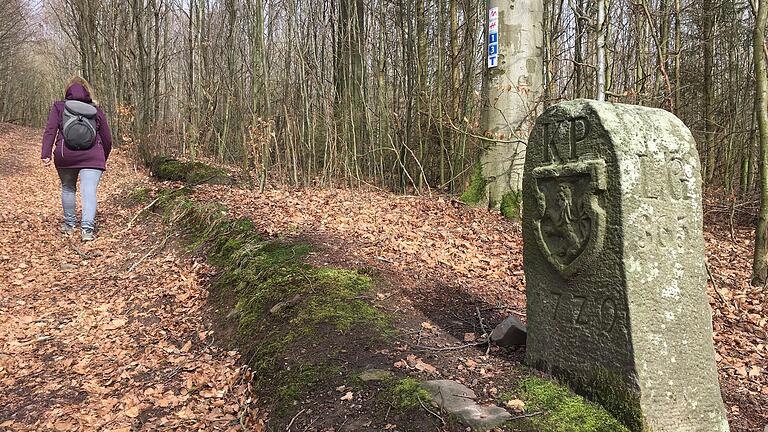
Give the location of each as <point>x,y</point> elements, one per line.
<point>82,139</point>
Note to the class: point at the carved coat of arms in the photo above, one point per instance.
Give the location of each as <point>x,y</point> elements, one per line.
<point>570,224</point>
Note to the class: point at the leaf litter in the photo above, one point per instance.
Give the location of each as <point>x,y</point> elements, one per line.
<point>88,345</point>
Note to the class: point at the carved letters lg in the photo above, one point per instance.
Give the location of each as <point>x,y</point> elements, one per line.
<point>664,180</point>
<point>667,179</point>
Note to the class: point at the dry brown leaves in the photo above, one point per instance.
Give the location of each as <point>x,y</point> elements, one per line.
<point>740,320</point>
<point>481,253</point>
<point>92,346</point>
<point>88,346</point>
<point>434,237</point>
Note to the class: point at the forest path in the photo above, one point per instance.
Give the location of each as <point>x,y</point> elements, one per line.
<point>90,340</point>
<point>115,335</point>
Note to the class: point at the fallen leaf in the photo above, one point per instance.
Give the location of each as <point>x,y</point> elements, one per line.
<point>132,412</point>
<point>516,405</point>
<point>115,324</point>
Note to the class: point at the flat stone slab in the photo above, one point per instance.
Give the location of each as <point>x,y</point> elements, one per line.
<point>459,400</point>
<point>510,332</point>
<point>373,375</point>
<point>614,264</point>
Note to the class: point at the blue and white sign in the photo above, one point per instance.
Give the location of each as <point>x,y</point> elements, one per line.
<point>493,37</point>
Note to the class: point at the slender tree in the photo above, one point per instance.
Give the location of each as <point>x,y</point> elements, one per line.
<point>760,262</point>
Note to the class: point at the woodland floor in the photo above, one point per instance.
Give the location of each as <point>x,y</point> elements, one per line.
<point>116,334</point>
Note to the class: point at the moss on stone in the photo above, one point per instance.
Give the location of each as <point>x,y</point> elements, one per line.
<point>169,169</point>
<point>510,205</point>
<point>610,391</point>
<point>407,394</point>
<point>475,193</point>
<point>562,411</point>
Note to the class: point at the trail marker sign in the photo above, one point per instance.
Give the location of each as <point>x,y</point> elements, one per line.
<point>493,37</point>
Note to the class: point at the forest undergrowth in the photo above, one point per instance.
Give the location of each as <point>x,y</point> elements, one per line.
<point>121,335</point>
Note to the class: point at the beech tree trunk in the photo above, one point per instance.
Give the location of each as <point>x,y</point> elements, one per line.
<point>512,94</point>
<point>760,265</point>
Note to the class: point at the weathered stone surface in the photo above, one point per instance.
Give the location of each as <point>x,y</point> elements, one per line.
<point>614,264</point>
<point>450,395</point>
<point>376,375</point>
<point>510,332</point>
<point>459,400</point>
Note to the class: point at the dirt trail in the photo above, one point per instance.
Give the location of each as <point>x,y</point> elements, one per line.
<point>87,344</point>
<point>113,336</point>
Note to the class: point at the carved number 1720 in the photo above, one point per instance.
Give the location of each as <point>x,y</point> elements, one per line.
<point>585,310</point>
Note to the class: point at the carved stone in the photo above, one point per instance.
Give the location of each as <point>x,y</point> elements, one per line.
<point>614,264</point>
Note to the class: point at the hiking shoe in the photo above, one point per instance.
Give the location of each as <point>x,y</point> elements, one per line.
<point>86,234</point>
<point>66,228</point>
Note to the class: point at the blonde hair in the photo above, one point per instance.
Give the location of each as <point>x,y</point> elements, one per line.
<point>77,79</point>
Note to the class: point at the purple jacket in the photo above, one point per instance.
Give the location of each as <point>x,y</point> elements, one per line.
<point>96,156</point>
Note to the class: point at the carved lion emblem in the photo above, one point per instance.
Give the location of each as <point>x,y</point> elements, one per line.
<point>570,225</point>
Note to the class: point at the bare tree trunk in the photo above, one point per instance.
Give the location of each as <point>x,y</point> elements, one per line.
<point>708,90</point>
<point>601,67</point>
<point>760,263</point>
<point>509,110</point>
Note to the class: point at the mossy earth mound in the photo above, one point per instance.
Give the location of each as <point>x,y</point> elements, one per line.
<point>169,169</point>
<point>301,329</point>
<point>307,331</point>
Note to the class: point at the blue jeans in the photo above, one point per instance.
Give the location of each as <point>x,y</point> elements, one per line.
<point>89,181</point>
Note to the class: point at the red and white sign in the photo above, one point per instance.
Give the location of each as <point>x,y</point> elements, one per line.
<point>493,37</point>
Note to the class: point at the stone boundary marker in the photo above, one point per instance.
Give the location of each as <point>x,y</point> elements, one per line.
<point>614,264</point>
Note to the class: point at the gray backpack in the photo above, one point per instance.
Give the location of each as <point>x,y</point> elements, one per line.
<point>78,125</point>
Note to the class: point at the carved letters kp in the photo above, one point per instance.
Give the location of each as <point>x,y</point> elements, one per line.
<point>570,224</point>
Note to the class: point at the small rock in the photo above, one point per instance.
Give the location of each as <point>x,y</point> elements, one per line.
<point>68,266</point>
<point>282,305</point>
<point>511,332</point>
<point>449,394</point>
<point>459,400</point>
<point>376,375</point>
<point>357,425</point>
<point>483,417</point>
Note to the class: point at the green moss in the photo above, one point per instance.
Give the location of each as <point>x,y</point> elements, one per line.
<point>340,304</point>
<point>563,411</point>
<point>407,394</point>
<point>138,196</point>
<point>510,205</point>
<point>292,318</point>
<point>609,390</point>
<point>169,169</point>
<point>475,193</point>
<point>292,383</point>
<point>170,199</point>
